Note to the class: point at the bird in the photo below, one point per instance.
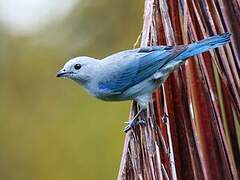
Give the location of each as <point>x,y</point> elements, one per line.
<point>136,73</point>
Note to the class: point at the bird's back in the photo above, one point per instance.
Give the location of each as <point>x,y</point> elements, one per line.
<point>126,69</point>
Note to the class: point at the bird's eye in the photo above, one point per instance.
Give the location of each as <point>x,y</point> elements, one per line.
<point>77,66</point>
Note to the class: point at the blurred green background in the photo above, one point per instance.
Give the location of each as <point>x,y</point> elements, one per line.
<point>51,128</point>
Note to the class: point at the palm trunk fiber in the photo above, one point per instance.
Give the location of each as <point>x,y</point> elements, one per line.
<point>199,137</point>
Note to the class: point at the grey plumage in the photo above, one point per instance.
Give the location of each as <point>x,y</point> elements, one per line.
<point>134,74</point>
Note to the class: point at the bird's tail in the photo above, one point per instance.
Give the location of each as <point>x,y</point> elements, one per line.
<point>205,44</point>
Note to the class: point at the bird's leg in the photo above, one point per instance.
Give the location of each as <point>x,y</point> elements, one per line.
<point>134,122</point>
<point>165,117</point>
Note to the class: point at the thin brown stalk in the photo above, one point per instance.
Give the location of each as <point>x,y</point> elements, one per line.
<point>198,139</point>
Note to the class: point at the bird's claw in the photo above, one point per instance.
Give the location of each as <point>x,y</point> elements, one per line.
<point>165,117</point>
<point>132,124</point>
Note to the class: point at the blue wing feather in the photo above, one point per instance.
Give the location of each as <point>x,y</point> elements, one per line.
<point>139,67</point>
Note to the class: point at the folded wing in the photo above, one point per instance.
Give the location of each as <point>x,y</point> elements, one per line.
<point>141,64</point>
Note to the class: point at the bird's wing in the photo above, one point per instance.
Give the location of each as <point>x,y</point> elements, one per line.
<point>139,64</point>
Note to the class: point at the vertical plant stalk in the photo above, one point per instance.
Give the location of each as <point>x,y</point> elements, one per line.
<point>199,137</point>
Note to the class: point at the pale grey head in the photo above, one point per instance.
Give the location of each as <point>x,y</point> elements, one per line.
<point>79,69</point>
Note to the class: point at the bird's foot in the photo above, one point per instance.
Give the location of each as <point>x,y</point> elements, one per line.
<point>165,117</point>
<point>133,123</point>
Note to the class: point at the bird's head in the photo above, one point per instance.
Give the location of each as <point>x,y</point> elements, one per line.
<point>79,69</point>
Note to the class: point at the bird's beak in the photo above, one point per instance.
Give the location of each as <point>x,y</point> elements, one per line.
<point>61,73</point>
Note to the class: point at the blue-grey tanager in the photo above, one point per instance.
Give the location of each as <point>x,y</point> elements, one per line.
<point>134,74</point>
